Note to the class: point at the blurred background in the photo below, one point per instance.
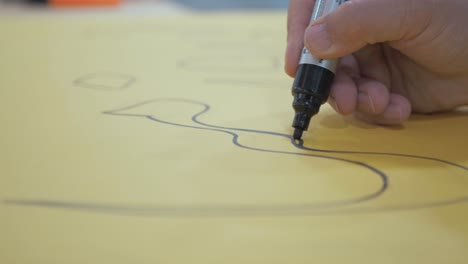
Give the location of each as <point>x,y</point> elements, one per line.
<point>157,6</point>
<point>234,4</point>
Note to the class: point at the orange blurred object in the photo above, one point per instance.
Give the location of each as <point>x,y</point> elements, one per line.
<point>78,3</point>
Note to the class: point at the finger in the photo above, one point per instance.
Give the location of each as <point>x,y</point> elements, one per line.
<point>350,65</point>
<point>373,64</point>
<point>397,111</point>
<point>299,13</point>
<point>358,23</point>
<point>343,94</point>
<point>373,97</point>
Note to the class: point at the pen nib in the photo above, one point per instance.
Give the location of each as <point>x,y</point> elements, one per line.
<point>297,133</point>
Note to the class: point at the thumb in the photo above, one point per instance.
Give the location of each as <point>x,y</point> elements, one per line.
<point>358,23</point>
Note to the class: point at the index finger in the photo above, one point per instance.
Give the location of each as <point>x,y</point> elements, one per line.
<point>299,13</point>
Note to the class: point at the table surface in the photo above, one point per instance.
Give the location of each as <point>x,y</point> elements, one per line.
<point>166,139</point>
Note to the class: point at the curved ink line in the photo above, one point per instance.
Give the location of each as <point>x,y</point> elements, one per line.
<point>214,210</point>
<point>247,210</point>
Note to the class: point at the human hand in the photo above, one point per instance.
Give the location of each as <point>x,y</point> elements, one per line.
<point>397,56</point>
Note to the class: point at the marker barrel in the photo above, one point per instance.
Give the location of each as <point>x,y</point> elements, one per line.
<point>314,76</point>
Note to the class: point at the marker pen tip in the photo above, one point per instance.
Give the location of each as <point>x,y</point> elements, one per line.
<point>297,133</point>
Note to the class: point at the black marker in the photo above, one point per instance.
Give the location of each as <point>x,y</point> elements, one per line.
<point>314,77</point>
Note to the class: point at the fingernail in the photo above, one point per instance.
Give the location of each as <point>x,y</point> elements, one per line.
<point>317,38</point>
<point>399,114</point>
<point>394,112</point>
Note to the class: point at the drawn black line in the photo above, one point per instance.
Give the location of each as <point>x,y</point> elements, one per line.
<point>216,210</point>
<point>335,207</point>
<point>91,81</point>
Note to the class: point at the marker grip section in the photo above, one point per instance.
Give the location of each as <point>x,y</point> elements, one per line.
<point>311,89</point>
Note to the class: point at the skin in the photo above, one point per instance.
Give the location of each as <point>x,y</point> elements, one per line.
<point>397,56</point>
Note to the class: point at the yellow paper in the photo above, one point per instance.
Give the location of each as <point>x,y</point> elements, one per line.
<point>167,140</point>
